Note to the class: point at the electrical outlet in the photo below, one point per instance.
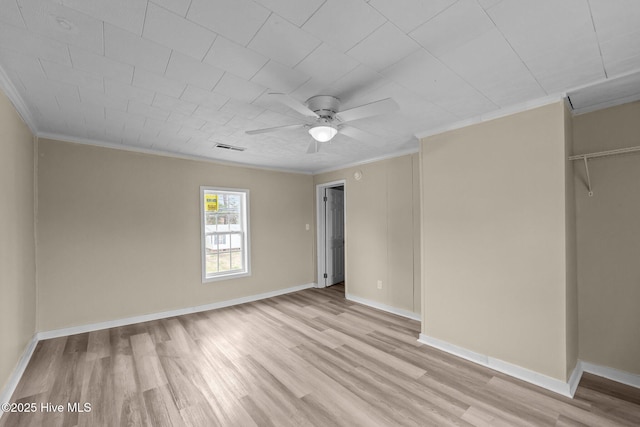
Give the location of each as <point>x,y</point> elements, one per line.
<point>379,284</point>
<point>306,226</point>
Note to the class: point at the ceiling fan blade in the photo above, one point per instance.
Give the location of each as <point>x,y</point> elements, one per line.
<point>275,129</point>
<point>359,135</point>
<point>376,108</point>
<point>314,147</point>
<point>294,105</point>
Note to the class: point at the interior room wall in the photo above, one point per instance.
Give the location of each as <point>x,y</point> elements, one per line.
<point>119,233</point>
<point>494,232</point>
<point>382,231</point>
<point>17,239</point>
<point>608,236</point>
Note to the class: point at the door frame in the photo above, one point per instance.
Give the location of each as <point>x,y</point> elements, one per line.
<point>320,230</point>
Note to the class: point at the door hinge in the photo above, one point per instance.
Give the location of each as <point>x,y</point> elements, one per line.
<point>325,275</point>
<point>325,198</point>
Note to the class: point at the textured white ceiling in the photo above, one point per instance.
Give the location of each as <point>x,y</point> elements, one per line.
<point>181,76</point>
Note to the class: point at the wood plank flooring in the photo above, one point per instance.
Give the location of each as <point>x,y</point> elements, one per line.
<point>310,358</point>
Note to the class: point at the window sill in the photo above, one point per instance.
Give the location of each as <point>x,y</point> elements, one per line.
<point>226,277</point>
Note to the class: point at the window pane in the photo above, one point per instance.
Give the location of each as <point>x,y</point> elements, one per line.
<point>224,229</point>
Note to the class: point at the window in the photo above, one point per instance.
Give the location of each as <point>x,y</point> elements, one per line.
<point>225,233</point>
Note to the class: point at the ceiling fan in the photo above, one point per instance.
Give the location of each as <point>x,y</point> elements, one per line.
<point>326,119</point>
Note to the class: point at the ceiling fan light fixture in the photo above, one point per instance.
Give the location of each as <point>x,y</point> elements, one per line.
<point>323,133</point>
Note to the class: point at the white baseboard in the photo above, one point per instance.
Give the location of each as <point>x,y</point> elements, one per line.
<point>384,307</point>
<point>8,390</point>
<point>163,315</point>
<point>14,379</point>
<point>612,374</point>
<point>575,378</point>
<point>564,388</point>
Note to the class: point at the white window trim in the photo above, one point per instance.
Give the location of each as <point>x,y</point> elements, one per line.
<point>247,240</point>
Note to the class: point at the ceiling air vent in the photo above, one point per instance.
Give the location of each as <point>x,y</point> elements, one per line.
<point>229,147</point>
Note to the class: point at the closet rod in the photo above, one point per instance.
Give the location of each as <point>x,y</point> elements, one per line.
<point>605,153</point>
<point>586,157</point>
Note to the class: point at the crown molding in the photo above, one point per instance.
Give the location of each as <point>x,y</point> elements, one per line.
<point>115,146</point>
<point>367,161</point>
<point>16,99</point>
<point>171,154</point>
<point>607,104</point>
<point>492,115</point>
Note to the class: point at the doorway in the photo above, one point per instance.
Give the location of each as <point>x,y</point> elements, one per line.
<point>331,234</point>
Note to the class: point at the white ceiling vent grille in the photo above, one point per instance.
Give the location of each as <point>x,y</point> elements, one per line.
<point>229,147</point>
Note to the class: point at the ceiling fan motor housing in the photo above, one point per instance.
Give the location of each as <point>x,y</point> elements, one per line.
<point>326,106</point>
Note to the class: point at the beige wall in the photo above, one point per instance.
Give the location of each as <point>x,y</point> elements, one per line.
<point>382,231</point>
<point>608,230</point>
<point>119,233</point>
<point>17,238</point>
<point>495,239</point>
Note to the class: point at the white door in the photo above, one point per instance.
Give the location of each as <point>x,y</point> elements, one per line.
<point>334,235</point>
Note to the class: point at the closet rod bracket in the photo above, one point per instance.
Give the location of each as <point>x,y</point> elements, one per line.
<point>586,169</point>
<point>586,157</point>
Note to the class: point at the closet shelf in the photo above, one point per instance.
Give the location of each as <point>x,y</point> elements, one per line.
<point>585,158</point>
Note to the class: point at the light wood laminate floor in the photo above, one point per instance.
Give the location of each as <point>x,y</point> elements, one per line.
<point>309,358</point>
